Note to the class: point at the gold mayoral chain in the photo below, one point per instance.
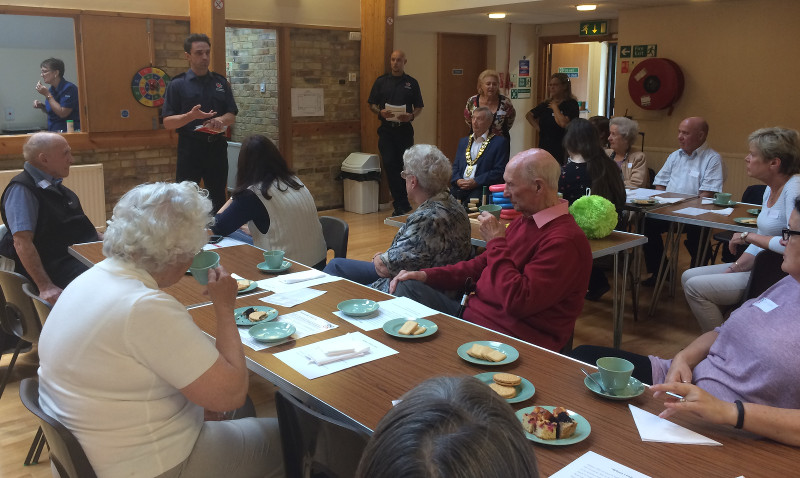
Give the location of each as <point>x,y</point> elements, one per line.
<point>468,153</point>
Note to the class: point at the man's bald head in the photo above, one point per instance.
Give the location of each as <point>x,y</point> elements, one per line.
<point>397,62</point>
<point>38,143</point>
<point>50,153</point>
<point>532,181</point>
<point>692,133</point>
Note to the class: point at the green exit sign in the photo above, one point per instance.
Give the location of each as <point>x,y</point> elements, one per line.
<point>595,28</point>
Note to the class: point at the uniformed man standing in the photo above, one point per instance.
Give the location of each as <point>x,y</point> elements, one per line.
<point>197,98</point>
<point>396,135</point>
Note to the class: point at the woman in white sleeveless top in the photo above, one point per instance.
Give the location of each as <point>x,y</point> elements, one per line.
<point>277,208</point>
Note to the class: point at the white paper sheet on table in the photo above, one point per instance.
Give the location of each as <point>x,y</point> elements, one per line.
<point>276,285</point>
<point>590,464</point>
<point>225,242</point>
<point>302,276</point>
<point>664,200</point>
<point>642,193</point>
<point>397,308</point>
<point>293,297</point>
<point>696,211</point>
<point>304,322</point>
<point>297,358</point>
<point>654,428</point>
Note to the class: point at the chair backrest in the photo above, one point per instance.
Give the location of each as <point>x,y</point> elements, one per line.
<point>336,232</point>
<point>765,273</point>
<point>316,445</point>
<point>754,194</point>
<point>65,451</point>
<point>19,315</point>
<point>41,306</point>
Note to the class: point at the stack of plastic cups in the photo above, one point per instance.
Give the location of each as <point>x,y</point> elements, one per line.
<point>508,211</point>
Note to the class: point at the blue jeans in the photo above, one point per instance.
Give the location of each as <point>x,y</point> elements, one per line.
<point>362,272</point>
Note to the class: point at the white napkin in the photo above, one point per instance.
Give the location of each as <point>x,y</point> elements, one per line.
<point>723,212</point>
<point>336,351</point>
<point>302,276</point>
<point>664,200</point>
<point>653,428</point>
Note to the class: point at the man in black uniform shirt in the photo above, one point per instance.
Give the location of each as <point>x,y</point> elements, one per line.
<point>201,97</point>
<point>396,135</point>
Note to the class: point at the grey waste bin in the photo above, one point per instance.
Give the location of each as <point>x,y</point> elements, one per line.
<point>361,173</point>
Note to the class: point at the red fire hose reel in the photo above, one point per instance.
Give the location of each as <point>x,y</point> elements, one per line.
<point>656,84</point>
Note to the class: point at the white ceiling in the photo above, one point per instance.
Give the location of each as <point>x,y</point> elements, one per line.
<point>529,12</point>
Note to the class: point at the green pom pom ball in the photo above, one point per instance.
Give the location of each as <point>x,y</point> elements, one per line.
<point>596,215</point>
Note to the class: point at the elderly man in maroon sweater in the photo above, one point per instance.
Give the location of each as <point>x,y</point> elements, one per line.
<point>531,281</point>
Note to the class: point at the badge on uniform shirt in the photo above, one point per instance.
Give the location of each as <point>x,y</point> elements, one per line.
<point>765,304</point>
<point>408,85</point>
<point>220,88</point>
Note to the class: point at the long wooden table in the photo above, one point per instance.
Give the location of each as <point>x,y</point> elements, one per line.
<point>610,245</point>
<point>707,221</point>
<point>363,394</point>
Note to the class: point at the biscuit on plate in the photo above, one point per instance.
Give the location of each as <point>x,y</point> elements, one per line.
<point>507,379</point>
<point>505,392</point>
<point>257,316</point>
<point>242,284</point>
<point>408,327</point>
<point>420,330</point>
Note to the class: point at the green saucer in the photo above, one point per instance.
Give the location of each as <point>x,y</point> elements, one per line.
<point>634,389</point>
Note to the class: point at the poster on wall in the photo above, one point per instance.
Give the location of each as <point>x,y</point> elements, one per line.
<point>524,67</point>
<point>308,102</point>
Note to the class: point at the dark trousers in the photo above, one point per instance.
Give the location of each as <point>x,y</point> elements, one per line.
<point>392,143</point>
<point>654,248</point>
<point>642,370</point>
<point>199,159</point>
<point>464,196</point>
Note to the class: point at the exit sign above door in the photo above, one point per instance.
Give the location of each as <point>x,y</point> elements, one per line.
<point>594,28</point>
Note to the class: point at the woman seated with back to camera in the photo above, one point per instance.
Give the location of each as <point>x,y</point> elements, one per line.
<point>775,160</point>
<point>632,163</point>
<point>277,208</point>
<point>588,167</point>
<point>751,359</point>
<point>449,427</point>
<point>124,367</point>
<point>437,233</point>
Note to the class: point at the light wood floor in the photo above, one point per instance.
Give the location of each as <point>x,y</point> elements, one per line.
<point>672,328</point>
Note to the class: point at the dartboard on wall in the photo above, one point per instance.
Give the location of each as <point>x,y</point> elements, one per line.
<point>148,86</point>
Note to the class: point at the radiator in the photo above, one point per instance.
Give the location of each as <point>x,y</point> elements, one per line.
<point>86,180</point>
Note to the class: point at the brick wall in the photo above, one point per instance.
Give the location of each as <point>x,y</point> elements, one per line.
<point>323,59</point>
<point>252,56</point>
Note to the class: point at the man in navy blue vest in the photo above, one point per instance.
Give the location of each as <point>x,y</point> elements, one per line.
<point>44,218</point>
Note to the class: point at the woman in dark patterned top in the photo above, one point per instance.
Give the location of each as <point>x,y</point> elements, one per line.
<point>437,233</point>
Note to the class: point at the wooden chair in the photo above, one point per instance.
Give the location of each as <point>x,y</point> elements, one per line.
<point>17,316</point>
<point>66,453</point>
<point>315,445</point>
<point>336,232</point>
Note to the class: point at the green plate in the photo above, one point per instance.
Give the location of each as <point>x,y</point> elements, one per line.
<point>525,389</point>
<point>271,331</point>
<point>391,327</point>
<point>241,317</point>
<point>358,307</point>
<point>581,432</point>
<point>247,289</point>
<point>754,211</point>
<point>634,389</point>
<point>285,265</point>
<point>511,352</point>
<point>747,221</point>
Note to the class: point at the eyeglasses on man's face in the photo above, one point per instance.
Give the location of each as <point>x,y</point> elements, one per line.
<point>788,232</point>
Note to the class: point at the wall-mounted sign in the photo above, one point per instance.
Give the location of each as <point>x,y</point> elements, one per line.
<point>458,71</point>
<point>524,82</point>
<point>572,72</point>
<point>124,113</point>
<point>645,51</point>
<point>520,93</point>
<point>625,51</point>
<point>594,28</point>
<point>524,67</point>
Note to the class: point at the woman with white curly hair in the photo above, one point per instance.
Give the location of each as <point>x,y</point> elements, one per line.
<point>124,367</point>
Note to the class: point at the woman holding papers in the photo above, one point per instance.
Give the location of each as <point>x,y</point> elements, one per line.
<point>743,373</point>
<point>436,233</point>
<point>125,368</point>
<point>774,159</point>
<point>276,206</point>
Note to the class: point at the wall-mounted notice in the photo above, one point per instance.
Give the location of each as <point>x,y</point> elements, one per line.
<point>308,102</point>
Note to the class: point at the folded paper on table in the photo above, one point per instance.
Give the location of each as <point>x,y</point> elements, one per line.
<point>664,200</point>
<point>654,428</point>
<point>319,357</point>
<point>696,211</point>
<point>298,357</point>
<point>276,285</point>
<point>292,298</point>
<point>225,242</point>
<point>642,193</point>
<point>303,276</point>
<point>595,465</point>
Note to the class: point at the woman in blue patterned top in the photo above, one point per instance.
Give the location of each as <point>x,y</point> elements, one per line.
<point>436,234</point>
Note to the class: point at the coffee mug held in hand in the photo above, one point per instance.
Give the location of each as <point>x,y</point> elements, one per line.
<point>273,259</point>
<point>203,261</point>
<point>615,373</point>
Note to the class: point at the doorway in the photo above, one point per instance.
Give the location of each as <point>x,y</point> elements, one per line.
<point>461,58</point>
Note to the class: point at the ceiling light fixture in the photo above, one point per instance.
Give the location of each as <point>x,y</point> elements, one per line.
<point>586,8</point>
<point>497,15</point>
